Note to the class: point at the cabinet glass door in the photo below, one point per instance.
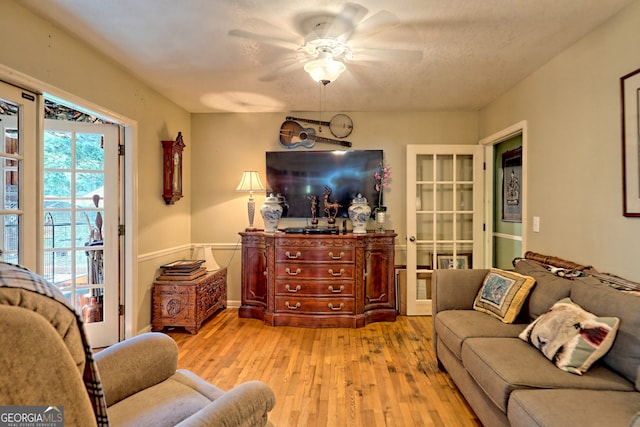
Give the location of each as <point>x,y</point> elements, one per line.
<point>444,205</point>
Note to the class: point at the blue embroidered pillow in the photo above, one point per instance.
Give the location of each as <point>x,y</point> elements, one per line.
<point>503,293</point>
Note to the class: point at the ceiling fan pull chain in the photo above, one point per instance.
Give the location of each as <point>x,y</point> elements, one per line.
<point>320,86</point>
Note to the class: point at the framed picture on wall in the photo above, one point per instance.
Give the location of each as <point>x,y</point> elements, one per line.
<point>630,93</point>
<point>511,185</point>
<point>448,262</point>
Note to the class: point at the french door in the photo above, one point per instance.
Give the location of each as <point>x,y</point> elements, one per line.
<point>444,215</point>
<point>18,177</point>
<point>81,206</point>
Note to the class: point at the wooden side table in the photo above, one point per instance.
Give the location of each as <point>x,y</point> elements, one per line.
<point>188,303</point>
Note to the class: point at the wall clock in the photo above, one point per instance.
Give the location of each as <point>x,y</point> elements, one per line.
<point>172,169</point>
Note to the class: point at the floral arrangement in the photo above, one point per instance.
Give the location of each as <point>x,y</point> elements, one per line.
<point>382,177</point>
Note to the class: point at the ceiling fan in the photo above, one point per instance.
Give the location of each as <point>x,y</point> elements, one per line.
<point>327,42</point>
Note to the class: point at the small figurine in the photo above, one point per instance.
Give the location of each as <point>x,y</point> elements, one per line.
<point>330,207</point>
<point>314,209</point>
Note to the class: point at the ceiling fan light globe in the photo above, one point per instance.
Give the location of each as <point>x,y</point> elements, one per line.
<point>324,69</point>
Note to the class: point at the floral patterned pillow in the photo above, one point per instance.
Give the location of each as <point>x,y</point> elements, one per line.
<point>503,293</point>
<point>571,337</point>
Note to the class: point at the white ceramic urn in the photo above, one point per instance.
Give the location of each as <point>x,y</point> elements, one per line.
<point>271,212</point>
<point>359,214</point>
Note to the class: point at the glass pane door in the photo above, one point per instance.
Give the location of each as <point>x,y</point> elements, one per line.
<point>444,190</point>
<point>18,177</point>
<point>80,221</point>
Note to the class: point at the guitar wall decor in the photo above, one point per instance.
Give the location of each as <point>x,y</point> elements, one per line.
<point>340,125</point>
<point>293,135</point>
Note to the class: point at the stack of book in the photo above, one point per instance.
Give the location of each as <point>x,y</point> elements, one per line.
<point>183,270</point>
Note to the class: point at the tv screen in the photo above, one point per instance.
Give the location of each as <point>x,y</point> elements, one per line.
<point>296,175</point>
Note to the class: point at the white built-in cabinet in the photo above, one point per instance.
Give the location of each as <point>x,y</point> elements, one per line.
<point>444,215</point>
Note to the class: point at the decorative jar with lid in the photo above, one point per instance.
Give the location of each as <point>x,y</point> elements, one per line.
<point>271,212</point>
<point>359,214</point>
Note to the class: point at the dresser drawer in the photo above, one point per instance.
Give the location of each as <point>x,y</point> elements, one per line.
<point>327,305</point>
<point>315,287</point>
<point>314,271</point>
<point>339,253</point>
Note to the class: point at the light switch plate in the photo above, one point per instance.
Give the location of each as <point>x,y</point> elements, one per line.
<point>536,224</point>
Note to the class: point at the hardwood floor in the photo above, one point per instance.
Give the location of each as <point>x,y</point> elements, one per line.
<point>384,374</point>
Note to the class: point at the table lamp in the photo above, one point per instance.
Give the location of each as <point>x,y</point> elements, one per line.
<point>250,182</point>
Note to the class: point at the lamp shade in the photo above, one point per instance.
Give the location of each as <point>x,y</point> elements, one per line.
<point>325,68</point>
<point>204,252</point>
<point>249,182</point>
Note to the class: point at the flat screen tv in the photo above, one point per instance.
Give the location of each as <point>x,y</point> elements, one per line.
<point>296,175</point>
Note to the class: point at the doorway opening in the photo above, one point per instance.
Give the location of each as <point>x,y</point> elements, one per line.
<point>505,195</point>
<point>81,198</point>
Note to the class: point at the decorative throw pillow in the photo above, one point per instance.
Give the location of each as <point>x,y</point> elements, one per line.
<point>571,337</point>
<point>503,293</point>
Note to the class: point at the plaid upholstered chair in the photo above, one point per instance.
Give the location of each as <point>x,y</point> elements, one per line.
<point>46,361</point>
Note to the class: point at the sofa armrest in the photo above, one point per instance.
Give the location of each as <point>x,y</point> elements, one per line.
<point>246,405</point>
<point>454,290</point>
<point>136,364</point>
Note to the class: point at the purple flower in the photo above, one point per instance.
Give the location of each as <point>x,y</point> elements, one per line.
<point>382,177</point>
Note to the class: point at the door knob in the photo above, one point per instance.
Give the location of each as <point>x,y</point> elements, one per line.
<point>412,239</point>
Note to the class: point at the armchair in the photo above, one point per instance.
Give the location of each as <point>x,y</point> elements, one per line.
<point>46,362</point>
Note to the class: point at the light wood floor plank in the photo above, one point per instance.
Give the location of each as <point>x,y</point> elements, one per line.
<point>384,374</point>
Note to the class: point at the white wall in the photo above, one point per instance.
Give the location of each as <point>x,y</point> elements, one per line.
<point>572,107</point>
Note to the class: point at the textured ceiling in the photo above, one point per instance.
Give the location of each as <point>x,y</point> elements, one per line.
<point>472,50</point>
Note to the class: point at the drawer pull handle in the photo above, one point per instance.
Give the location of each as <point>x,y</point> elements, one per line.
<point>340,273</point>
<point>292,307</point>
<point>330,305</point>
<point>297,255</point>
<point>336,291</point>
<point>336,257</point>
<point>293,290</point>
<point>291,273</point>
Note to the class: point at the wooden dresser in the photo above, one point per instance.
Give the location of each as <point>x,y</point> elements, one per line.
<point>342,280</point>
<point>188,303</point>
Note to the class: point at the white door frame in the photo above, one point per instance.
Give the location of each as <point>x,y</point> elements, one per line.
<point>488,142</point>
<point>129,247</point>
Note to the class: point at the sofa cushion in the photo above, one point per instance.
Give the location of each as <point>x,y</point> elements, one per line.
<point>502,294</point>
<point>624,356</point>
<point>568,408</point>
<point>549,288</point>
<point>166,403</point>
<point>501,365</point>
<point>571,337</point>
<point>455,326</point>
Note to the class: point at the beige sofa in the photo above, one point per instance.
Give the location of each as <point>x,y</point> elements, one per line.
<point>508,382</point>
<point>46,362</point>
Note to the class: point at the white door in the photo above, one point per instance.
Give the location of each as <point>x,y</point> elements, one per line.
<point>18,212</point>
<point>81,205</point>
<point>444,215</point>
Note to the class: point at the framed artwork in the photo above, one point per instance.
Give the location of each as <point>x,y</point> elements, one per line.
<point>630,94</point>
<point>511,185</point>
<point>447,262</point>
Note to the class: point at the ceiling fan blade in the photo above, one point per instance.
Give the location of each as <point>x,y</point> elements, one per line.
<point>400,55</point>
<point>260,38</point>
<point>375,24</point>
<point>344,23</point>
<point>292,66</point>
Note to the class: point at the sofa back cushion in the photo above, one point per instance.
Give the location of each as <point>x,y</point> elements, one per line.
<point>602,300</point>
<point>549,288</point>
